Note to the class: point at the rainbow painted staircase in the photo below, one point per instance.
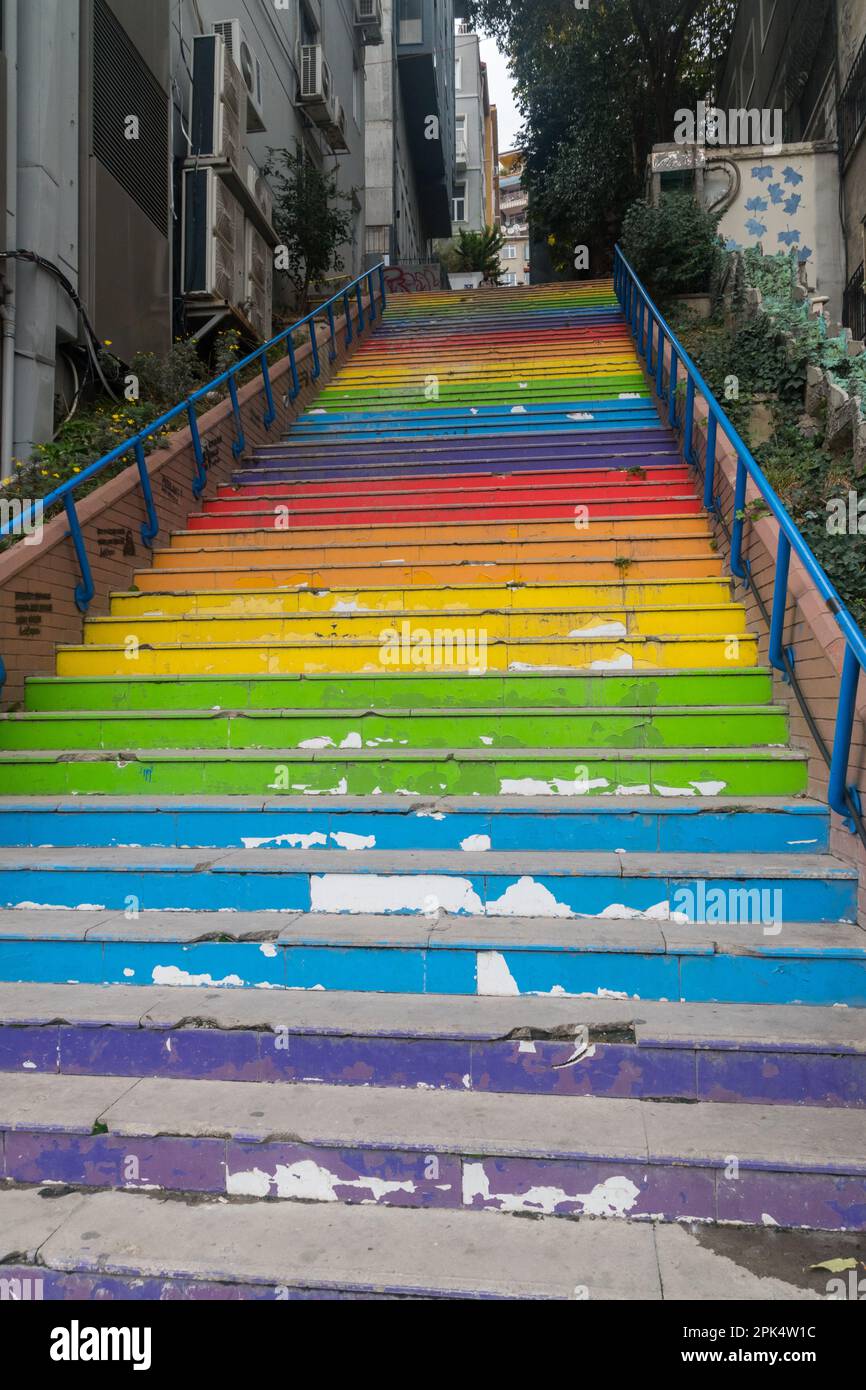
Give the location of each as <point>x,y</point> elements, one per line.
<point>419,845</point>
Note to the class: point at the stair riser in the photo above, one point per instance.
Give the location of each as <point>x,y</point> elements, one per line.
<point>266,576</point>
<point>636,833</point>
<point>493,481</point>
<point>140,775</point>
<point>419,731</point>
<point>567,896</point>
<point>225,520</point>
<point>561,1186</point>
<point>697,979</point>
<point>444,500</point>
<point>386,597</point>
<point>767,1076</point>
<point>406,692</point>
<point>317,656</point>
<point>80,1286</point>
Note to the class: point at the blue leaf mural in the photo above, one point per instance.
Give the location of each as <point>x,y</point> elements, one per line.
<point>792,204</point>
<point>755,228</point>
<point>762,171</point>
<point>789,238</point>
<point>776,193</point>
<point>757,205</point>
<point>791,176</point>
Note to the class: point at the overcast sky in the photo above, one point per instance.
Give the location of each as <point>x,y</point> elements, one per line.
<point>502,93</point>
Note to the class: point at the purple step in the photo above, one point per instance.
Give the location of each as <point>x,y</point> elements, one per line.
<point>436,1150</point>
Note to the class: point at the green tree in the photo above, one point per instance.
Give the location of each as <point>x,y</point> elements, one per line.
<point>480,251</point>
<point>598,88</point>
<point>308,218</point>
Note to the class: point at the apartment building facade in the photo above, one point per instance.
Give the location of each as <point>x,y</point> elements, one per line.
<point>411,130</point>
<point>133,145</point>
<point>477,137</point>
<point>514,206</point>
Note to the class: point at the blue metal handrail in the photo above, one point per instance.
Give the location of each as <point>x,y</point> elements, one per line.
<point>647,323</point>
<point>136,442</point>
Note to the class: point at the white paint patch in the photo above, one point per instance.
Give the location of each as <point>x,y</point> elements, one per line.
<point>486,740</point>
<point>533,786</point>
<point>292,840</point>
<point>602,630</point>
<point>346,840</point>
<point>352,740</point>
<point>375,893</point>
<point>476,843</point>
<point>494,977</point>
<point>767,1220</point>
<point>518,410</point>
<point>709,788</point>
<point>659,912</point>
<point>526,898</point>
<point>347,605</point>
<point>313,744</point>
<point>29,1066</point>
<point>430,815</point>
<point>640,789</point>
<point>625,662</point>
<point>128,973</point>
<point>614,1197</point>
<point>62,907</point>
<point>802,842</point>
<point>306,1181</point>
<point>580,415</point>
<point>172,975</point>
<point>629,395</point>
<point>527,1047</point>
<point>268,948</point>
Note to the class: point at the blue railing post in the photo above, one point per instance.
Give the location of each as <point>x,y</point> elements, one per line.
<point>372,297</point>
<point>710,466</point>
<point>293,367</point>
<point>660,364</point>
<point>332,346</point>
<point>270,414</point>
<point>314,344</point>
<point>737,567</point>
<point>199,482</point>
<point>347,305</point>
<point>382,291</point>
<point>780,603</point>
<point>84,591</point>
<point>842,741</point>
<point>149,528</point>
<point>672,388</point>
<point>689,430</point>
<point>651,323</point>
<point>360,298</point>
<point>240,442</point>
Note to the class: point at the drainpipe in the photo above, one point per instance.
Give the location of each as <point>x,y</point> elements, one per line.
<point>7,380</point>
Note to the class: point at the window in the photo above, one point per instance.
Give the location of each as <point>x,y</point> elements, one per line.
<point>459,211</point>
<point>510,278</point>
<point>356,94</point>
<point>458,74</point>
<point>511,252</point>
<point>410,21</point>
<point>461,137</point>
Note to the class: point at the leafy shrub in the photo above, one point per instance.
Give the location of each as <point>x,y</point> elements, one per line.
<point>674,248</point>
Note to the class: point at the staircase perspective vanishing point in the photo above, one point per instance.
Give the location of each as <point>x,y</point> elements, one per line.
<point>418,846</point>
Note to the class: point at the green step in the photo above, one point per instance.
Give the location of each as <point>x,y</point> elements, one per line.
<point>435,773</point>
<point>514,690</point>
<point>715,727</point>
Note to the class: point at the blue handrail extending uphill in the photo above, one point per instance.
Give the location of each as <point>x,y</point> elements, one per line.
<point>649,327</point>
<point>135,443</point>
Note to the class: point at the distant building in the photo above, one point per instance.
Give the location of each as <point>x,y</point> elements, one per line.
<point>411,129</point>
<point>514,204</point>
<point>475,203</point>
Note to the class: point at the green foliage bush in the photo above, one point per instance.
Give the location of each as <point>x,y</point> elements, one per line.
<point>675,247</point>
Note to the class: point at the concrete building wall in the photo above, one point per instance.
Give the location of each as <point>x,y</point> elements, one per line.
<point>471,173</point>
<point>851,38</point>
<point>394,223</point>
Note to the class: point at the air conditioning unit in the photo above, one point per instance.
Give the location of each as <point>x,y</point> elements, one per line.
<point>218,98</point>
<point>261,192</point>
<point>214,246</point>
<point>259,264</point>
<point>315,87</point>
<point>335,129</point>
<point>247,60</point>
<point>368,16</point>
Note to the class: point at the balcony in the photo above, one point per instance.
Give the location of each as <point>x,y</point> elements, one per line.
<point>852,105</point>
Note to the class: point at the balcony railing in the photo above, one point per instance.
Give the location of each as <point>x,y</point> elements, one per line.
<point>852,105</point>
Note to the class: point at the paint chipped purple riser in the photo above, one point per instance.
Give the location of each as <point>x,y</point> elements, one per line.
<point>81,1286</point>
<point>776,1075</point>
<point>663,1188</point>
